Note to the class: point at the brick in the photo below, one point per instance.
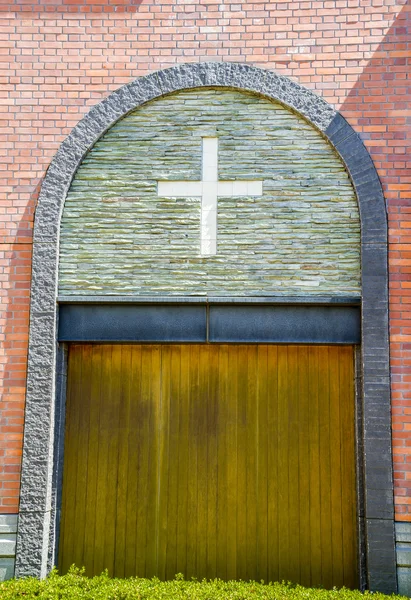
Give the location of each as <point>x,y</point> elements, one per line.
<point>61,57</point>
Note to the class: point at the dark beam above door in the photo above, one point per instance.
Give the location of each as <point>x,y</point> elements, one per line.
<point>212,321</point>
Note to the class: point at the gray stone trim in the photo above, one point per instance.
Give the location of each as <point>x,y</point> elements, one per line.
<point>37,475</point>
<point>377,448</point>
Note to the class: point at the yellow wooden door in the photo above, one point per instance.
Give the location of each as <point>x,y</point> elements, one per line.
<point>231,461</point>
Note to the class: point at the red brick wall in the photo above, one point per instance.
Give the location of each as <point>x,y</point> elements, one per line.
<point>59,57</point>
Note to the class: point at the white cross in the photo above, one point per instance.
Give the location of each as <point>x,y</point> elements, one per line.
<point>208,189</point>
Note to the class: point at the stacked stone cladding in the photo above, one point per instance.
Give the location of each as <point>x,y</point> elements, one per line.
<point>302,236</point>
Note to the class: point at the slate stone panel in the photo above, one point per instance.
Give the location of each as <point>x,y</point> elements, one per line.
<point>301,237</point>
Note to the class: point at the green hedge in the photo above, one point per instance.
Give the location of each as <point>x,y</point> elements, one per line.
<point>75,586</point>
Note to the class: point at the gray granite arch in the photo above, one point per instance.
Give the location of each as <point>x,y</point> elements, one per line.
<point>37,501</point>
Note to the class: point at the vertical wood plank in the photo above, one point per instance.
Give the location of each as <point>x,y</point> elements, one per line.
<point>314,460</point>
<point>284,558</point>
<point>242,378</point>
<point>182,483</point>
<point>212,402</point>
<point>93,451</point>
<point>83,424</point>
<point>222,466</point>
<point>164,434</point>
<point>123,455</point>
<point>202,474</point>
<point>274,544</point>
<point>104,432</point>
<point>154,369</point>
<point>173,471</point>
<point>251,451</point>
<point>304,464</point>
<point>325,467</point>
<point>232,465</point>
<point>348,476</point>
<point>335,448</point>
<point>144,434</point>
<point>262,464</point>
<point>112,435</point>
<point>70,459</point>
<point>192,479</point>
<point>131,501</point>
<point>294,492</point>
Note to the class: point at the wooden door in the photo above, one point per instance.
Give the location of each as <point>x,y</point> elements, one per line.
<point>230,461</point>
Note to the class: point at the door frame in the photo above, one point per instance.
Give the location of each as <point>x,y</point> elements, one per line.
<point>218,320</point>
<point>46,364</point>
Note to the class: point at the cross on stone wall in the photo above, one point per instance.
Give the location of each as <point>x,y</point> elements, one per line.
<point>209,189</point>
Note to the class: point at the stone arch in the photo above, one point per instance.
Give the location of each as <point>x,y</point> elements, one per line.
<point>35,550</point>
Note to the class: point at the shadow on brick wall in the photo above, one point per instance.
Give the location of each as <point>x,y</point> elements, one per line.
<point>379,109</point>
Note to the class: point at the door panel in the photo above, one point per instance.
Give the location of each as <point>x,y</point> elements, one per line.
<point>231,461</point>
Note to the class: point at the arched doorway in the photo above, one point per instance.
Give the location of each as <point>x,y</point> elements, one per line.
<point>37,499</point>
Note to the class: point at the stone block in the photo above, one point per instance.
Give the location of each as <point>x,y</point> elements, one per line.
<point>338,129</point>
<point>6,568</point>
<point>404,581</point>
<point>403,531</point>
<point>8,523</point>
<point>7,544</point>
<point>403,554</point>
<point>32,552</point>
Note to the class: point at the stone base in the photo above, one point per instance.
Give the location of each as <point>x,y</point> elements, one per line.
<point>8,535</point>
<point>403,547</point>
